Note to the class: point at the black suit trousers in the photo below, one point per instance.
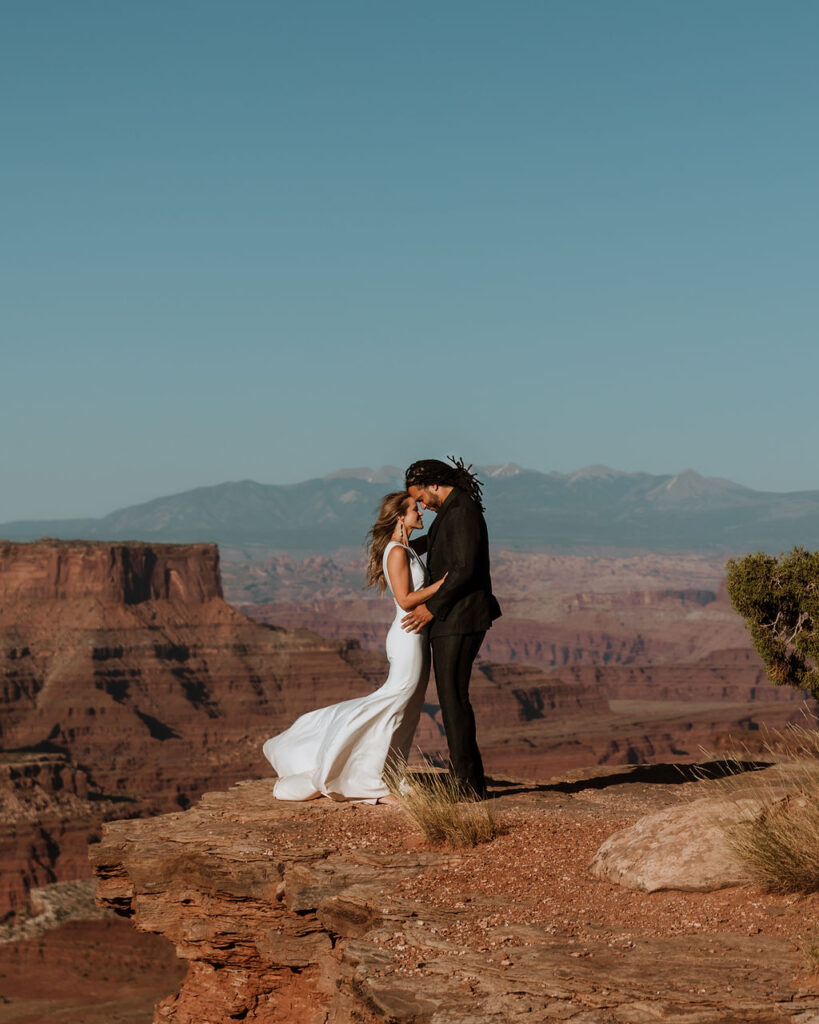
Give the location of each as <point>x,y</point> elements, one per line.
<point>452,658</point>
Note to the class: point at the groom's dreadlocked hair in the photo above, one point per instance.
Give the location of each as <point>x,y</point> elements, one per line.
<point>433,471</point>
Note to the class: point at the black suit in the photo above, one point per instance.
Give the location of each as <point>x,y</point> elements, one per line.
<point>464,607</point>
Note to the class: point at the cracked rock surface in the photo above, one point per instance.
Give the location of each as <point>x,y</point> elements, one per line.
<point>327,913</point>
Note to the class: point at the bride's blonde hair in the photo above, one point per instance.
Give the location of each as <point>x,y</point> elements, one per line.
<point>392,506</point>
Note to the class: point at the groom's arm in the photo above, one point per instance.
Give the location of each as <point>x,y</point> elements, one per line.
<point>461,542</point>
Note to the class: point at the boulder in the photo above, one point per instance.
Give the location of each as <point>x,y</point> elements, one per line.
<point>682,847</point>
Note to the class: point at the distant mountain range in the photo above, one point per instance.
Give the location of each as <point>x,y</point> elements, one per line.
<point>595,507</point>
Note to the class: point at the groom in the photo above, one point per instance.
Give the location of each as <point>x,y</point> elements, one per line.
<point>463,608</point>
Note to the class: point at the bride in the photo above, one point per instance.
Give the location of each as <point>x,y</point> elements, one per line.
<point>341,751</point>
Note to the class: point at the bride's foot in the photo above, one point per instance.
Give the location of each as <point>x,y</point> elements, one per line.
<point>389,799</point>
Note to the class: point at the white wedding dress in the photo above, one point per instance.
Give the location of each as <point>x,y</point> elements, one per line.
<point>340,751</point>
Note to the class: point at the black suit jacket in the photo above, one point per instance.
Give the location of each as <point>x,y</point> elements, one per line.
<point>458,544</point>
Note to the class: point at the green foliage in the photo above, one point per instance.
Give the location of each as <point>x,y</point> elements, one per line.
<point>779,599</point>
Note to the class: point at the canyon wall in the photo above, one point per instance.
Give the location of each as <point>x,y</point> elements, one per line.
<point>557,610</point>
<point>123,664</point>
<point>49,811</point>
<point>116,574</point>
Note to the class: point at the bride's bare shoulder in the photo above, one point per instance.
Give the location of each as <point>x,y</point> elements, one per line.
<point>397,558</point>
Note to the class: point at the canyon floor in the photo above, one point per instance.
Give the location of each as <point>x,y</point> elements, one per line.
<point>86,972</point>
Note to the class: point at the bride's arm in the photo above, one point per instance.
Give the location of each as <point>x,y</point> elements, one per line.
<point>401,580</point>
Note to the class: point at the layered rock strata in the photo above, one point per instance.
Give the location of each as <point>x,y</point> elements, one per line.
<point>557,611</point>
<point>537,723</point>
<point>325,914</point>
<point>127,659</point>
<point>124,676</point>
<point>114,574</point>
<point>49,811</point>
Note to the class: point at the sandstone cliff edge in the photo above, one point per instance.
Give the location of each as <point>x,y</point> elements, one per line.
<point>329,913</point>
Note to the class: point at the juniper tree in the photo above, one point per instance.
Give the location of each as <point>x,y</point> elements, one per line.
<point>779,599</point>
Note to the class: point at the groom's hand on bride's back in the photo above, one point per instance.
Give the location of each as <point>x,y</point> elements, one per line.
<point>415,621</point>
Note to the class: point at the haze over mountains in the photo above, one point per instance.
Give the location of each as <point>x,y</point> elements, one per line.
<point>595,507</point>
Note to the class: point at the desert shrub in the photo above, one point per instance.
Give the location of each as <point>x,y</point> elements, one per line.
<point>779,844</point>
<point>779,599</point>
<point>433,800</point>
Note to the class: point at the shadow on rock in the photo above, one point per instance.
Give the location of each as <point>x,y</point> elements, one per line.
<point>656,774</point>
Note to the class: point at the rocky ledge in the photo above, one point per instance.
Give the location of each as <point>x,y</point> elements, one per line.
<point>324,912</point>
<point>130,573</point>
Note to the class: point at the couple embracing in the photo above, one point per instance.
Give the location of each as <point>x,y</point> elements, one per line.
<point>342,751</point>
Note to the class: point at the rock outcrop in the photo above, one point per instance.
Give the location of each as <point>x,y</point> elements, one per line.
<point>677,848</point>
<point>126,659</point>
<point>116,574</point>
<point>125,675</point>
<point>329,913</point>
<point>48,813</point>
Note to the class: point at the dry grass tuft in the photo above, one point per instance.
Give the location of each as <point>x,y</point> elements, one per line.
<point>434,802</point>
<point>795,742</point>
<point>779,845</point>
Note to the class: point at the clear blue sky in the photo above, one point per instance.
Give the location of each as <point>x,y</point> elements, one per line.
<point>266,240</point>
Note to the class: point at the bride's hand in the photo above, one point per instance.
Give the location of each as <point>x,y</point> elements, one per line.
<point>436,586</point>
